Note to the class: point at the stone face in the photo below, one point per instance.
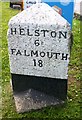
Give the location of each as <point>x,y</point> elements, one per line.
<point>39,43</point>
<point>33,99</point>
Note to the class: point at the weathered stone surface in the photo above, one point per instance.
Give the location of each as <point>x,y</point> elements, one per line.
<point>39,43</point>
<point>33,99</point>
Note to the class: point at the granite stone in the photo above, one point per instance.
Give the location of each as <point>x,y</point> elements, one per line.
<point>39,43</point>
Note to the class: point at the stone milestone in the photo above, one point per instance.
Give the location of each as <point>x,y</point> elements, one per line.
<point>39,51</point>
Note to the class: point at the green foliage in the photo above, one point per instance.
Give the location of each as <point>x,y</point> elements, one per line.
<point>71,109</point>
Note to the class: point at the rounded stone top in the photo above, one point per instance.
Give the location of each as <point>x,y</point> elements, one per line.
<point>39,13</point>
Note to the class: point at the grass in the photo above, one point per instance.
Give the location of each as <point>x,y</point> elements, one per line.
<point>68,111</point>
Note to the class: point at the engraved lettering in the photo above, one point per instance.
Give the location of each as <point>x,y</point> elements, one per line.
<point>44,32</point>
<point>64,34</point>
<point>22,31</point>
<point>37,33</point>
<point>34,53</point>
<point>64,56</point>
<point>13,31</point>
<point>53,34</point>
<point>18,52</point>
